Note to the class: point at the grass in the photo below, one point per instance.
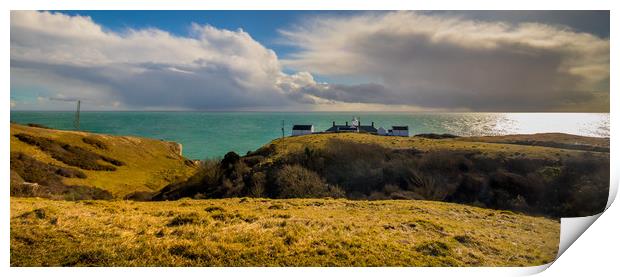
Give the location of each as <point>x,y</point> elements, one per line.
<point>291,232</point>
<point>45,180</point>
<point>263,232</point>
<point>71,155</point>
<point>555,140</point>
<point>146,164</point>
<point>536,180</point>
<point>497,146</point>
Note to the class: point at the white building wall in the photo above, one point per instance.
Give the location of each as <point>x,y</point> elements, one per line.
<point>401,133</point>
<point>303,132</point>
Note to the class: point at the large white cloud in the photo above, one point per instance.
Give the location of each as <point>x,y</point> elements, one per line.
<point>449,62</point>
<point>73,57</point>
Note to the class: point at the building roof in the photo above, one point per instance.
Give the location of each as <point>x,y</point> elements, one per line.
<point>338,128</point>
<point>368,128</point>
<point>302,127</point>
<point>352,128</point>
<point>332,129</point>
<point>400,128</point>
<point>346,128</point>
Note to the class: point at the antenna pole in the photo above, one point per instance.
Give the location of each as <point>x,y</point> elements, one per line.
<point>76,124</point>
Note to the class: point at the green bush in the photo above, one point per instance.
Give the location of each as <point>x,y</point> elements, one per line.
<point>95,142</point>
<point>258,183</point>
<point>295,181</point>
<point>36,125</point>
<point>429,187</point>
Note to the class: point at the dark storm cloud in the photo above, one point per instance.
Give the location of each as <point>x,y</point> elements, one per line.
<point>593,21</point>
<point>439,62</point>
<point>511,76</point>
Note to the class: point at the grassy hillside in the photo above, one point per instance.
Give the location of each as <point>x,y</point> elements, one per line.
<point>554,140</point>
<point>263,232</point>
<point>118,164</point>
<point>490,146</point>
<point>506,172</point>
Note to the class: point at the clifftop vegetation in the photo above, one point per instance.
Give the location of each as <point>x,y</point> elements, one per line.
<point>79,165</point>
<point>545,174</point>
<point>502,174</point>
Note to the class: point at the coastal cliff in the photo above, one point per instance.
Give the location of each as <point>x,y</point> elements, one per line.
<point>81,165</point>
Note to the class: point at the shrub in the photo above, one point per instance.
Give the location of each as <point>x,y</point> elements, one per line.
<point>70,173</point>
<point>354,166</point>
<point>377,195</point>
<point>36,125</point>
<point>335,191</point>
<point>139,196</point>
<point>429,187</point>
<point>264,151</point>
<point>96,257</point>
<point>253,160</point>
<point>295,181</point>
<point>214,209</point>
<point>229,161</point>
<point>95,142</point>
<point>183,219</point>
<point>434,248</point>
<point>436,136</point>
<point>257,186</point>
<point>582,187</point>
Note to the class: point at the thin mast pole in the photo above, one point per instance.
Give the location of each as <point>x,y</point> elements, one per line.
<point>77,117</point>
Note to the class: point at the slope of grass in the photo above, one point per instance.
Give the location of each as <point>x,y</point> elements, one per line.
<point>551,181</point>
<point>139,164</point>
<point>263,232</point>
<point>497,146</point>
<point>555,140</point>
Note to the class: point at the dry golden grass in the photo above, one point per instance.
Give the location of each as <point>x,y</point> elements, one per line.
<point>149,164</point>
<point>489,146</point>
<point>263,232</point>
<point>558,139</point>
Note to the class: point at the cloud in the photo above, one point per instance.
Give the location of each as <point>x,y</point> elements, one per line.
<point>73,57</point>
<point>448,62</point>
<point>411,61</point>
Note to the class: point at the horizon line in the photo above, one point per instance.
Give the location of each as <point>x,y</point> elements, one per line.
<point>263,111</point>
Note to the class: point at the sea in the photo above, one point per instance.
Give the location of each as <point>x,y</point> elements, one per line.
<point>213,134</point>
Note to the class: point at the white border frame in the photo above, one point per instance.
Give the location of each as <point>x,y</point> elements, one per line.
<point>600,246</point>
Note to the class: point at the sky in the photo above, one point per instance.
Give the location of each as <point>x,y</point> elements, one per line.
<point>481,61</point>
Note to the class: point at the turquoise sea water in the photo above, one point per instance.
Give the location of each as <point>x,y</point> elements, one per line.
<point>213,134</point>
